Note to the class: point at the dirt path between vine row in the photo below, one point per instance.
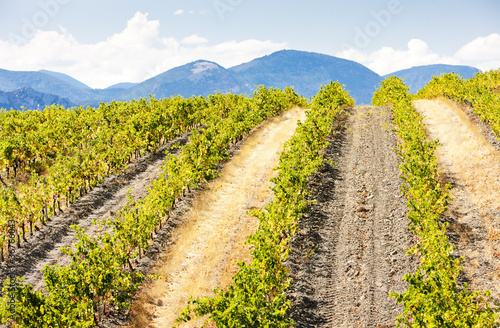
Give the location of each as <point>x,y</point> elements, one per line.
<point>350,250</point>
<point>109,197</point>
<point>215,227</point>
<point>471,164</point>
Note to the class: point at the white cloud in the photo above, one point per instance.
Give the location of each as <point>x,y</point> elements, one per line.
<point>353,54</point>
<point>194,40</point>
<point>179,12</point>
<point>232,53</point>
<point>482,53</point>
<point>133,55</point>
<point>387,60</point>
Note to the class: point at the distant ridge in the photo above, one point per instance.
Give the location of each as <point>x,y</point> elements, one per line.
<point>43,82</point>
<point>122,85</point>
<point>198,78</point>
<point>30,99</point>
<point>66,78</point>
<point>305,71</point>
<point>417,77</point>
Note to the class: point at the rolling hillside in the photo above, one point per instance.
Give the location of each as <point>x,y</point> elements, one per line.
<point>66,78</point>
<point>30,99</point>
<point>327,246</point>
<point>43,82</point>
<point>305,71</point>
<point>197,78</point>
<point>122,85</point>
<point>417,77</point>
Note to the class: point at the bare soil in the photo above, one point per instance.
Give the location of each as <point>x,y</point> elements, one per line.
<point>350,250</point>
<point>210,237</point>
<point>107,198</point>
<point>470,161</point>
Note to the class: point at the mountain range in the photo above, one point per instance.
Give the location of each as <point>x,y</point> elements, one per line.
<point>417,77</point>
<point>305,71</point>
<point>30,99</point>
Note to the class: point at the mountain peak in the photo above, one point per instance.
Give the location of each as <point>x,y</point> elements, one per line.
<point>417,77</point>
<point>201,66</point>
<point>31,99</point>
<point>307,71</point>
<point>66,78</point>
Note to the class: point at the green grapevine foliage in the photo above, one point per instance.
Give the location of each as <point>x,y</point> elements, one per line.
<point>68,152</point>
<point>101,274</point>
<point>434,298</point>
<point>257,298</point>
<point>482,92</point>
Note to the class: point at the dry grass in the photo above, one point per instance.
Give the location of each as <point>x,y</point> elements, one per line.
<point>216,227</point>
<point>465,150</point>
<point>470,158</point>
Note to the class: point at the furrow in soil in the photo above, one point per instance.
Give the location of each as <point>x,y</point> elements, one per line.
<point>350,250</point>
<point>100,203</point>
<point>469,162</point>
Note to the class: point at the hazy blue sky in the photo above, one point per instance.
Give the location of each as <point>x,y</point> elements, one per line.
<point>109,41</point>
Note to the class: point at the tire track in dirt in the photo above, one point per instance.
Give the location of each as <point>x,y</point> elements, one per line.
<point>110,196</point>
<point>470,163</point>
<point>204,249</point>
<point>350,250</point>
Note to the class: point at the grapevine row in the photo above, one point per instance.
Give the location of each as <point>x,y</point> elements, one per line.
<point>101,275</point>
<point>65,153</point>
<point>257,297</point>
<point>482,92</point>
<point>433,298</point>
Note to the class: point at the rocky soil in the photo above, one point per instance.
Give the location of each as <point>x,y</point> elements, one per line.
<point>350,250</point>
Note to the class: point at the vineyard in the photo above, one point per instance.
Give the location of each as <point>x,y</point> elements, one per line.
<point>373,217</point>
<point>433,298</point>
